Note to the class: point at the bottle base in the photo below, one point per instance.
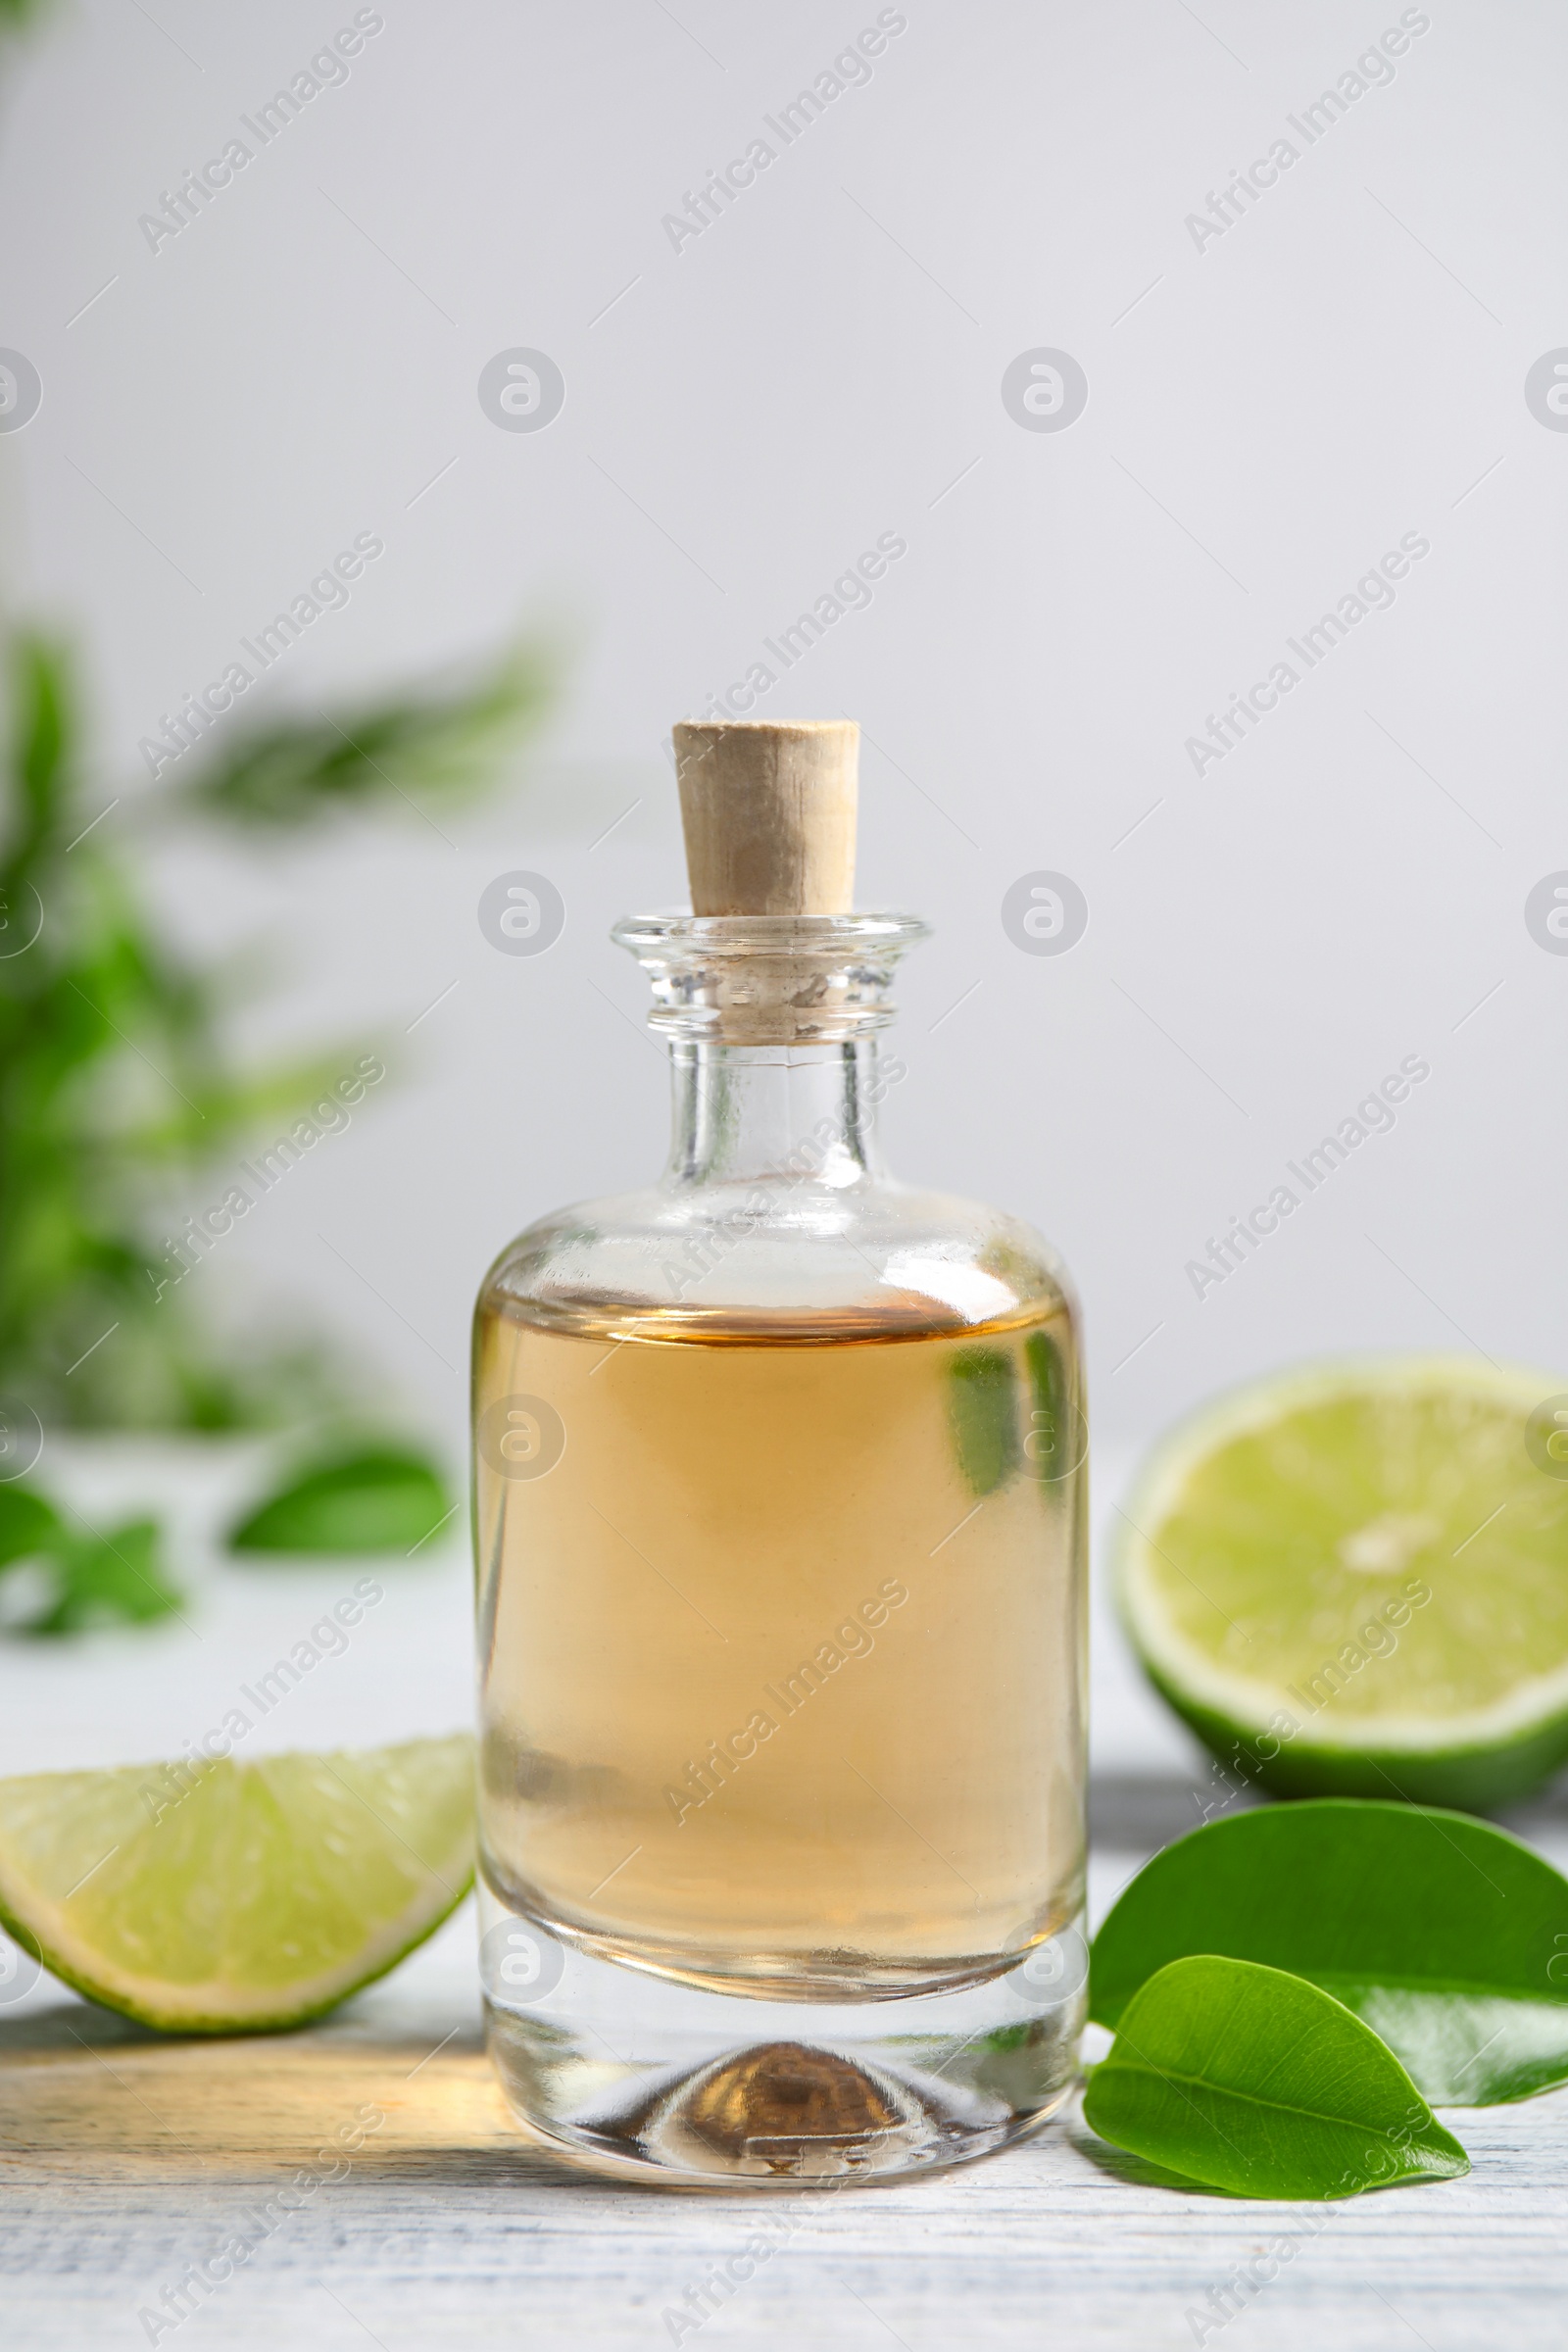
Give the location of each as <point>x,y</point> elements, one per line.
<point>645,2077</point>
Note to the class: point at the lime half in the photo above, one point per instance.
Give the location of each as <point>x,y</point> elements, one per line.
<point>1352,1579</point>
<point>236,1898</point>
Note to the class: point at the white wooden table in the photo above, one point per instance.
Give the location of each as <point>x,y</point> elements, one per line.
<point>124,2159</point>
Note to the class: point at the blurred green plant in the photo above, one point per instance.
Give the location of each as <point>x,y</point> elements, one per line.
<point>382,1496</point>
<point>80,1578</point>
<point>116,1086</point>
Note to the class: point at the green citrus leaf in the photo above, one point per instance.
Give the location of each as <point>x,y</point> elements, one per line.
<point>1256,2081</point>
<point>27,1525</point>
<point>293,769</point>
<point>105,1580</point>
<point>1448,1938</point>
<point>983,1409</point>
<point>376,1499</point>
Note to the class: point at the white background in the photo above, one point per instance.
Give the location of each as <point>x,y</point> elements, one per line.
<point>1266,417</point>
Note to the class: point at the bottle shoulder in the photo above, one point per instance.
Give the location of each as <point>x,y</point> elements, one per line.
<point>871,1254</point>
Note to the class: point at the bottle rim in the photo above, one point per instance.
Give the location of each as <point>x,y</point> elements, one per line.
<point>668,930</point>
<point>770,979</point>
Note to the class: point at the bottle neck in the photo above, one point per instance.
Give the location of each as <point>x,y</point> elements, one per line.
<point>780,1114</point>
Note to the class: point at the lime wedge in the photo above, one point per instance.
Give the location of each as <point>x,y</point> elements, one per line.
<point>236,1898</point>
<point>1352,1579</point>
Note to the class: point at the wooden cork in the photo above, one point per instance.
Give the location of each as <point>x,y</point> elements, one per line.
<point>769,810</point>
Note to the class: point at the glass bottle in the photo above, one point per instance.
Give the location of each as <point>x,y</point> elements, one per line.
<point>780,1523</point>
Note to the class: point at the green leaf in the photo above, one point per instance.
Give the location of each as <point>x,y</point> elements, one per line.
<point>106,1579</point>
<point>92,1580</point>
<point>1448,1938</point>
<point>294,770</point>
<point>1057,1419</point>
<point>983,1409</point>
<point>246,1105</point>
<point>27,1525</point>
<point>1256,2081</point>
<point>1047,1379</point>
<point>376,1499</point>
<point>41,723</point>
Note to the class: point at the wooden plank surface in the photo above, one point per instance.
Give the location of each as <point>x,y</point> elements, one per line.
<point>126,2159</point>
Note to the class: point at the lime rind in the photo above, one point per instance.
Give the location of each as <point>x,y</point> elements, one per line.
<point>146,2005</point>
<point>1468,1755</point>
<point>270,1892</point>
<point>1477,1779</point>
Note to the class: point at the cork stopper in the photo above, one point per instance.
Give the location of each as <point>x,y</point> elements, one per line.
<point>768,811</point>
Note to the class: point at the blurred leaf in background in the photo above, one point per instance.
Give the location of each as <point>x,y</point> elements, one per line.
<point>116,1088</point>
<point>296,770</point>
<point>376,1498</point>
<point>77,1581</point>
